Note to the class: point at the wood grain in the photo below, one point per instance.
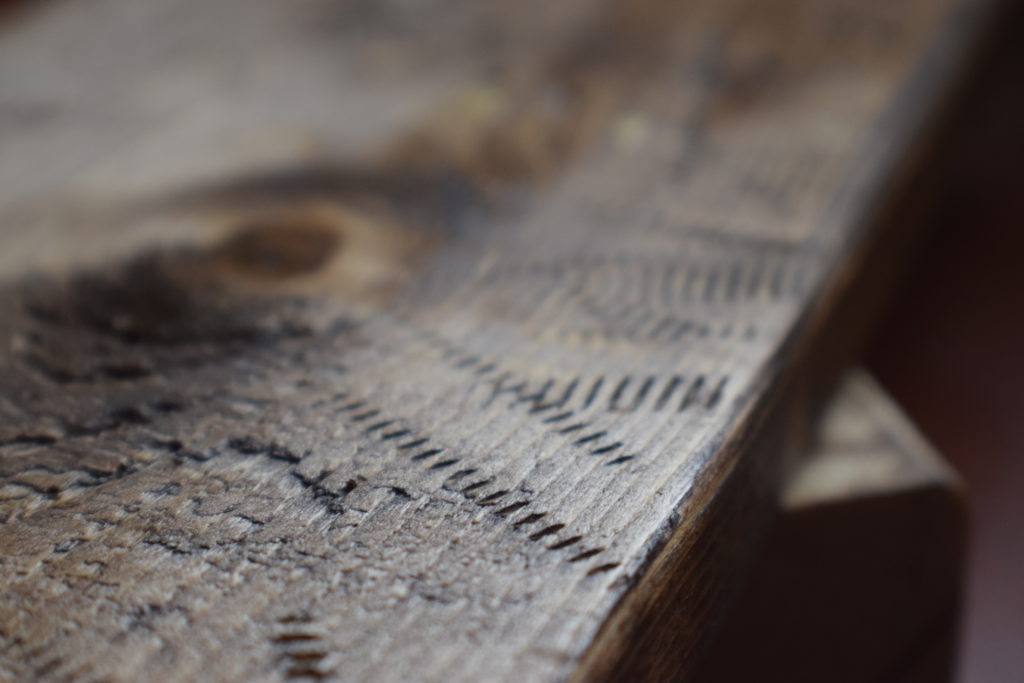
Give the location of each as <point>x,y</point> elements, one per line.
<point>442,340</point>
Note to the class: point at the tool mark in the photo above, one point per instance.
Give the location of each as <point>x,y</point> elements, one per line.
<point>302,648</point>
<point>445,464</point>
<point>492,498</point>
<point>586,554</point>
<point>377,426</point>
<point>461,474</point>
<point>509,509</point>
<point>572,540</point>
<point>470,489</point>
<point>602,568</point>
<point>716,393</point>
<point>593,392</point>
<point>690,398</point>
<point>530,519</point>
<point>428,454</point>
<point>589,438</point>
<point>546,531</point>
<point>667,392</point>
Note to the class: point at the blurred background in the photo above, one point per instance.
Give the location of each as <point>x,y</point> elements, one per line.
<point>952,349</point>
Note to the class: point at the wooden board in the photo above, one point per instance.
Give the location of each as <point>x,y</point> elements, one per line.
<point>389,340</point>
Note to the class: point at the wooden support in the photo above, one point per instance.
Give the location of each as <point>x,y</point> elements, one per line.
<point>388,341</point>
<point>860,577</point>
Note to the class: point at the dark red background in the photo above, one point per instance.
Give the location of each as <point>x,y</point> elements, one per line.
<point>952,350</point>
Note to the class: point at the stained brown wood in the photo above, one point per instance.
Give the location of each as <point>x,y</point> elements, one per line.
<point>450,340</point>
<point>860,577</point>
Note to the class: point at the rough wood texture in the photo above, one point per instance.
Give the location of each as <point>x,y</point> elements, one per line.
<point>860,577</point>
<point>383,340</point>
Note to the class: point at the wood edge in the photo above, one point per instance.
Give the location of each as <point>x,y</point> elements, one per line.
<point>793,401</point>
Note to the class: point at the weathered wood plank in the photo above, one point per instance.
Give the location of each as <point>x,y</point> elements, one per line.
<point>384,341</point>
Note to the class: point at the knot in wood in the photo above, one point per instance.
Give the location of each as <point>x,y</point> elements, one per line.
<point>280,246</point>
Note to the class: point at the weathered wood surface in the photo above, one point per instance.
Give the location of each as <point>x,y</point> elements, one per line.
<point>389,340</point>
<point>860,577</point>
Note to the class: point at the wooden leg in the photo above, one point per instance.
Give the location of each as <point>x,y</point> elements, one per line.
<point>860,578</point>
